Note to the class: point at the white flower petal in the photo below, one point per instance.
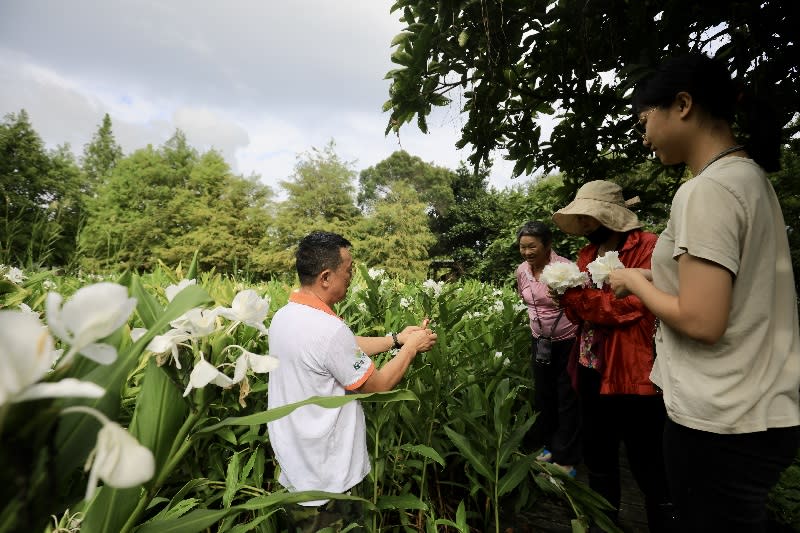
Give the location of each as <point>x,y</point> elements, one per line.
<point>167,341</point>
<point>66,388</point>
<point>562,276</point>
<point>117,459</point>
<point>53,313</point>
<point>173,290</point>
<point>26,352</point>
<point>241,368</point>
<point>92,313</point>
<point>121,462</point>
<point>262,363</point>
<point>200,322</point>
<point>137,333</point>
<point>105,354</point>
<point>204,373</point>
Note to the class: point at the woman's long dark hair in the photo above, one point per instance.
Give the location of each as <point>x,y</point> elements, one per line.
<point>711,87</point>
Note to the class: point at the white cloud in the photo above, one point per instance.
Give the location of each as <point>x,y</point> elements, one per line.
<point>260,81</point>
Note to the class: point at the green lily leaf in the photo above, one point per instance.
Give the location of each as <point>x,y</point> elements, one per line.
<point>76,435</point>
<point>323,401</point>
<point>425,451</point>
<point>516,473</point>
<point>147,307</point>
<point>160,412</point>
<point>192,272</point>
<point>403,501</point>
<point>200,519</point>
<point>474,459</point>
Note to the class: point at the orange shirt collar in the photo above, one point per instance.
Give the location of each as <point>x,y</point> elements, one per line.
<point>311,300</point>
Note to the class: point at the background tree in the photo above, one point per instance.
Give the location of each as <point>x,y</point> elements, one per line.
<point>432,182</point>
<point>100,156</point>
<point>163,204</point>
<point>37,216</point>
<point>395,236</point>
<point>321,196</point>
<point>470,224</point>
<point>516,61</point>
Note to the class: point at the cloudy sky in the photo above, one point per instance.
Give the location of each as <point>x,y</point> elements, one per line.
<point>260,80</point>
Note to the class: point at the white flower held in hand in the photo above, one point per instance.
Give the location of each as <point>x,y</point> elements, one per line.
<point>601,267</point>
<point>94,312</point>
<point>562,276</point>
<point>118,459</point>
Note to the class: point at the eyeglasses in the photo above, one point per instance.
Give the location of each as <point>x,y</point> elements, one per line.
<point>639,128</point>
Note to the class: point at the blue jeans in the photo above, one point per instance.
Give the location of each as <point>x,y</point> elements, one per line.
<point>721,482</point>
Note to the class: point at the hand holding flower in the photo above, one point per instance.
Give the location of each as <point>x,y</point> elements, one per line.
<point>600,268</point>
<point>622,279</point>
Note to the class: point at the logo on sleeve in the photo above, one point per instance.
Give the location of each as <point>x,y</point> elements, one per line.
<point>361,360</point>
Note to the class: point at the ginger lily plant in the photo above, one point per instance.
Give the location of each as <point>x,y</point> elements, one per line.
<point>65,397</point>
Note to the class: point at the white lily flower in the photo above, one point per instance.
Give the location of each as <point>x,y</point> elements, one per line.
<point>26,356</point>
<point>375,273</point>
<point>204,373</point>
<point>137,333</point>
<point>498,306</point>
<point>118,459</point>
<point>93,312</point>
<point>260,364</point>
<point>173,290</point>
<point>434,287</point>
<point>169,342</point>
<point>248,308</point>
<point>601,267</point>
<point>198,322</point>
<point>15,275</point>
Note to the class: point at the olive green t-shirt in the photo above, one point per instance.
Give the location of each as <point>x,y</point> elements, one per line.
<point>748,381</point>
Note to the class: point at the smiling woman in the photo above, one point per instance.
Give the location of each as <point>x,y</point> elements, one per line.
<point>557,427</point>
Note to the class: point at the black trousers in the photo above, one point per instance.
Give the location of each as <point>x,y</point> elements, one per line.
<point>720,482</point>
<point>558,424</point>
<point>638,422</point>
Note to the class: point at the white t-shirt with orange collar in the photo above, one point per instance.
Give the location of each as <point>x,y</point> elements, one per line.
<point>317,448</point>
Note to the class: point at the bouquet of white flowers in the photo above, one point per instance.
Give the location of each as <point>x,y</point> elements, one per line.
<point>562,276</point>
<point>601,267</point>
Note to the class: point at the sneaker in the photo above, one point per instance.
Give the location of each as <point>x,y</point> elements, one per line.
<point>569,470</point>
<point>545,457</point>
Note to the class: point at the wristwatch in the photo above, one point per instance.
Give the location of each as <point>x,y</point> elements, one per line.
<point>396,342</point>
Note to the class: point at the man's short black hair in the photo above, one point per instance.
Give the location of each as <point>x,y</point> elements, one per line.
<point>318,251</point>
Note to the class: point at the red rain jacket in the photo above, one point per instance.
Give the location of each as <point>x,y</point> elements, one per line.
<point>625,324</point>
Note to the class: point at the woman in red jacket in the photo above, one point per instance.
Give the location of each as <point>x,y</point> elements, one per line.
<point>615,354</point>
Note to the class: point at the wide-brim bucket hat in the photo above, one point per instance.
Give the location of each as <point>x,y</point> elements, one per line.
<point>602,200</point>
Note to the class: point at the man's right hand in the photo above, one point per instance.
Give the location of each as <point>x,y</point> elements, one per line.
<point>421,340</point>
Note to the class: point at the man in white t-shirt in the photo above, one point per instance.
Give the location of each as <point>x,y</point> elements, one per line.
<point>319,448</point>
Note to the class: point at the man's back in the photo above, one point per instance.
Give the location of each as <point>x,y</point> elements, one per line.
<point>317,448</point>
